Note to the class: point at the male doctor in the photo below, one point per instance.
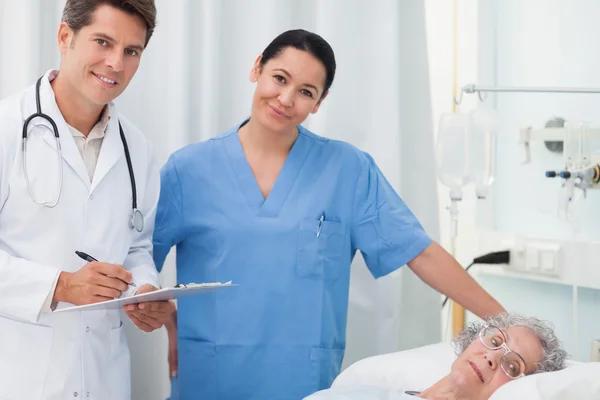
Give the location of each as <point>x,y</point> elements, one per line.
<point>80,195</point>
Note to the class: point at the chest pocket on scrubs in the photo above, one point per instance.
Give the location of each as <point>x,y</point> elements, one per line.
<point>320,257</point>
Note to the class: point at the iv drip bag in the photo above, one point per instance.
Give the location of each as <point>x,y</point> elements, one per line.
<point>483,149</point>
<point>452,152</point>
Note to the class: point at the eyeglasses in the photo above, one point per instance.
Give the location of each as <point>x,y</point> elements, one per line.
<point>511,363</point>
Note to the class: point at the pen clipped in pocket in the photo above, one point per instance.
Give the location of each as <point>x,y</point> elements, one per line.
<point>320,246</point>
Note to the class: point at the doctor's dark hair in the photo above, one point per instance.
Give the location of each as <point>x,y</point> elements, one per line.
<point>310,42</point>
<point>554,356</point>
<point>78,13</point>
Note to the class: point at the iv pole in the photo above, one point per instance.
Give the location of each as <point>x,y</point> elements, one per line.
<point>458,312</point>
<point>472,88</point>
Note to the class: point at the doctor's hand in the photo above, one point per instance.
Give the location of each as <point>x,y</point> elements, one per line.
<point>94,282</point>
<point>149,315</point>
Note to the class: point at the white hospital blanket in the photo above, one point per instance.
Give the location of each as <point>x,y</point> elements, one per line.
<point>361,393</point>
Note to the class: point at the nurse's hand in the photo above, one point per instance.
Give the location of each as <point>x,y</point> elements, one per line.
<point>94,282</point>
<point>173,361</point>
<point>150,315</point>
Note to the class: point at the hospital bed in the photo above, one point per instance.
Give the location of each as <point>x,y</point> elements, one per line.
<point>419,368</point>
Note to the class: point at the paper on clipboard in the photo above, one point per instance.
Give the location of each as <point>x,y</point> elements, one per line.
<point>176,292</point>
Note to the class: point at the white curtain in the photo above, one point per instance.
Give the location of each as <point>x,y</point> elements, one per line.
<point>193,84</point>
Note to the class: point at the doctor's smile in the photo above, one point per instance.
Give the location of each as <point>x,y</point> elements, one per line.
<point>105,81</point>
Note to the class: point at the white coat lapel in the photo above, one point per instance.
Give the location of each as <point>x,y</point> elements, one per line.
<point>111,150</point>
<point>70,152</point>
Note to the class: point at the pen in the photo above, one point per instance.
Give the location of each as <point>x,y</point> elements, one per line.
<point>321,219</point>
<point>88,258</point>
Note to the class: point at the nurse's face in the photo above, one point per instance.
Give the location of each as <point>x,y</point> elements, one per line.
<point>288,88</point>
<point>100,59</point>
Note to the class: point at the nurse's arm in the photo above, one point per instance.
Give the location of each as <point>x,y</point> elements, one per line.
<point>436,267</point>
<point>171,326</point>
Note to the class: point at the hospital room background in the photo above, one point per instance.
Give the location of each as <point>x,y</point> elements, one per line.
<point>401,65</point>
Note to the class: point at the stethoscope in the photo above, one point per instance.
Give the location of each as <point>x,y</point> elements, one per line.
<point>137,218</point>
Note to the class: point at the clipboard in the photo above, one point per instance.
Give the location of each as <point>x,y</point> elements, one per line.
<point>181,290</point>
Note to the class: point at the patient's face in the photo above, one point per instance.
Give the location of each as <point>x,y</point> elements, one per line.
<point>477,371</point>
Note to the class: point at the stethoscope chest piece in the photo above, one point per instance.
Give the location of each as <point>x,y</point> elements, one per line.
<point>137,220</point>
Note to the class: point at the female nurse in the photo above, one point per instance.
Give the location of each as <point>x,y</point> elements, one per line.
<point>281,212</point>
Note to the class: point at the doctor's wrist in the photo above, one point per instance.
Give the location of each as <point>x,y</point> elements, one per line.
<point>62,287</point>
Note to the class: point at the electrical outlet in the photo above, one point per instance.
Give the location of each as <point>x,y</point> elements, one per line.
<point>518,257</point>
<point>561,261</point>
<point>537,257</point>
<point>595,352</point>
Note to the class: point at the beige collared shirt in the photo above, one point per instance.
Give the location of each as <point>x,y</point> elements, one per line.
<point>89,147</point>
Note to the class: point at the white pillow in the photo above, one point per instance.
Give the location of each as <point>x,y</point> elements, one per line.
<point>414,369</point>
<point>577,381</point>
<point>419,368</point>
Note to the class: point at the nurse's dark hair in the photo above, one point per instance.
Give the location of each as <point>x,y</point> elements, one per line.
<point>79,13</point>
<point>306,41</point>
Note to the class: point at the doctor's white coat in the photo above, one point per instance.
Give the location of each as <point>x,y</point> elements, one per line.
<point>80,355</point>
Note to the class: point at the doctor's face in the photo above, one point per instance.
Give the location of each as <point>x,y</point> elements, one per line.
<point>288,88</point>
<point>100,59</point>
<point>480,370</point>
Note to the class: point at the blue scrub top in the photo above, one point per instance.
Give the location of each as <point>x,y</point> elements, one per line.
<point>281,333</point>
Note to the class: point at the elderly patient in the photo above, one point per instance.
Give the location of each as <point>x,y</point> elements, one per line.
<point>490,354</point>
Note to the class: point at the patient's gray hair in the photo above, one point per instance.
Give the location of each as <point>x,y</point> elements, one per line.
<point>554,356</point>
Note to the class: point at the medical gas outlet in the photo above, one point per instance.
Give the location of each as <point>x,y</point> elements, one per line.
<point>582,178</point>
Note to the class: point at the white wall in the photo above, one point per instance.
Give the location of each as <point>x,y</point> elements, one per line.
<point>541,43</point>
<point>544,43</point>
